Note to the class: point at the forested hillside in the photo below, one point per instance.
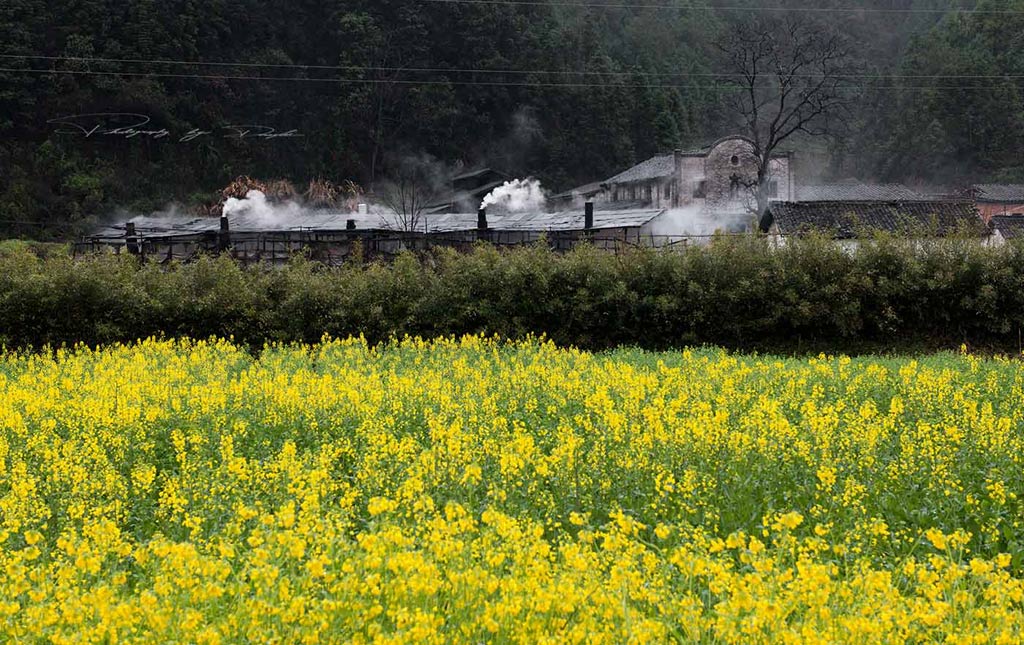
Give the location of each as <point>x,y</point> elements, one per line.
<point>560,90</point>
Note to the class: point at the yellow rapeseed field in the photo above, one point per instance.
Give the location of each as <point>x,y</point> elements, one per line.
<point>477,491</point>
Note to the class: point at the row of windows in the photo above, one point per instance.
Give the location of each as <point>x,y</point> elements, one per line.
<point>634,192</point>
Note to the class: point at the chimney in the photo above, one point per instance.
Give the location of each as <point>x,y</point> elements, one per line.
<point>482,232</point>
<point>677,177</point>
<point>363,209</point>
<point>131,241</point>
<point>224,237</point>
<point>588,216</point>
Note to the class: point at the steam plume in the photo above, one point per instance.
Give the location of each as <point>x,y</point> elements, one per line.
<point>516,196</point>
<point>256,205</point>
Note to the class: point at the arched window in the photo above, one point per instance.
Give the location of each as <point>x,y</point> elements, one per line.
<point>734,186</point>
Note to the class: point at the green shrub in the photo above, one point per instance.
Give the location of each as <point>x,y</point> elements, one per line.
<point>736,292</point>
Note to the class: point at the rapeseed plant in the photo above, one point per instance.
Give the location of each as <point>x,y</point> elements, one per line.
<point>481,491</point>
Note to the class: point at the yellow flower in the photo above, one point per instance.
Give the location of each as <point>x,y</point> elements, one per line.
<point>937,538</point>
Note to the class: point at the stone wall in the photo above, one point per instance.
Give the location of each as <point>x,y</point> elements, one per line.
<point>730,169</point>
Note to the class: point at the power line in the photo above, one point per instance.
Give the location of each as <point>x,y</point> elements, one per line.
<point>429,82</point>
<point>471,70</point>
<point>712,7</point>
<point>299,79</point>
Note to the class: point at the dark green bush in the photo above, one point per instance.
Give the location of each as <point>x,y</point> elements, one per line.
<point>810,295</point>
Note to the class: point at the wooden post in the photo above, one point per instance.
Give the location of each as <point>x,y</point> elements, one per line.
<point>224,237</point>
<point>131,241</point>
<point>482,232</point>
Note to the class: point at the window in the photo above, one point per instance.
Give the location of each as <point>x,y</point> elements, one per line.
<point>735,160</point>
<point>773,189</point>
<point>702,190</point>
<point>734,186</point>
<point>668,191</point>
<point>647,192</point>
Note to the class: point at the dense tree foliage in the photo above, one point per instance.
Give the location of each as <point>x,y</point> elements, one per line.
<point>565,92</point>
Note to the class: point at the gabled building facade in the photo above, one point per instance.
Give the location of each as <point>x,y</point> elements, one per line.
<point>717,179</point>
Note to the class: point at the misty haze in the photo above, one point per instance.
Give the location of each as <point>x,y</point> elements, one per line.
<point>512,322</point>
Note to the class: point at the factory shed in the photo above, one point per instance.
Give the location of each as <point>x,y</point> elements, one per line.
<point>467,191</point>
<point>594,192</point>
<point>848,221</point>
<point>330,236</point>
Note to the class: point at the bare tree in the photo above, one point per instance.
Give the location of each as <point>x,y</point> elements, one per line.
<point>414,184</point>
<point>786,78</point>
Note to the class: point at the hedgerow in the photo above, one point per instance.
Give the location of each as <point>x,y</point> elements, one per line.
<point>736,292</point>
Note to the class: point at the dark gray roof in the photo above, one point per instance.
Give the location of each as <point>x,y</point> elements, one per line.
<point>658,166</point>
<point>585,190</point>
<point>330,221</point>
<point>856,192</point>
<point>462,198</point>
<point>1011,227</point>
<point>1010,193</point>
<point>479,172</point>
<point>845,220</point>
<point>571,220</point>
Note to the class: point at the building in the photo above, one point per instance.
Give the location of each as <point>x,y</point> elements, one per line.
<point>999,199</point>
<point>1006,228</point>
<point>718,179</point>
<point>595,192</point>
<point>849,221</point>
<point>856,191</point>
<point>331,237</point>
<point>467,191</point>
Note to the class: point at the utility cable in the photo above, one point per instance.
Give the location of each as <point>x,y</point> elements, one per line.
<point>470,70</point>
<point>448,83</point>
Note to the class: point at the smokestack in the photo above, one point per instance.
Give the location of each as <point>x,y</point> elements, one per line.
<point>481,225</point>
<point>588,216</point>
<point>677,178</point>
<point>131,241</point>
<point>224,237</point>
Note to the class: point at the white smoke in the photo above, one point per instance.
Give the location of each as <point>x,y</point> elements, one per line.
<point>695,221</point>
<point>256,206</point>
<point>517,196</point>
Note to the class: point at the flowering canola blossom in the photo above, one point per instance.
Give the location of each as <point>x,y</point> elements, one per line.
<point>477,491</point>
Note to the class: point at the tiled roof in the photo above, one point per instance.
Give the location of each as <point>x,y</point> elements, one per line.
<point>845,220</point>
<point>1000,193</point>
<point>1009,226</point>
<point>328,221</point>
<point>585,190</point>
<point>571,220</point>
<point>856,192</point>
<point>658,166</point>
<point>463,197</point>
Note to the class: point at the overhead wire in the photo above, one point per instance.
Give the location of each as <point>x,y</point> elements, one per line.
<point>473,70</point>
<point>713,7</point>
<point>450,82</point>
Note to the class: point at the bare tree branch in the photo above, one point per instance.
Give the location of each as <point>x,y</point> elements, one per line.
<point>415,183</point>
<point>787,78</point>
